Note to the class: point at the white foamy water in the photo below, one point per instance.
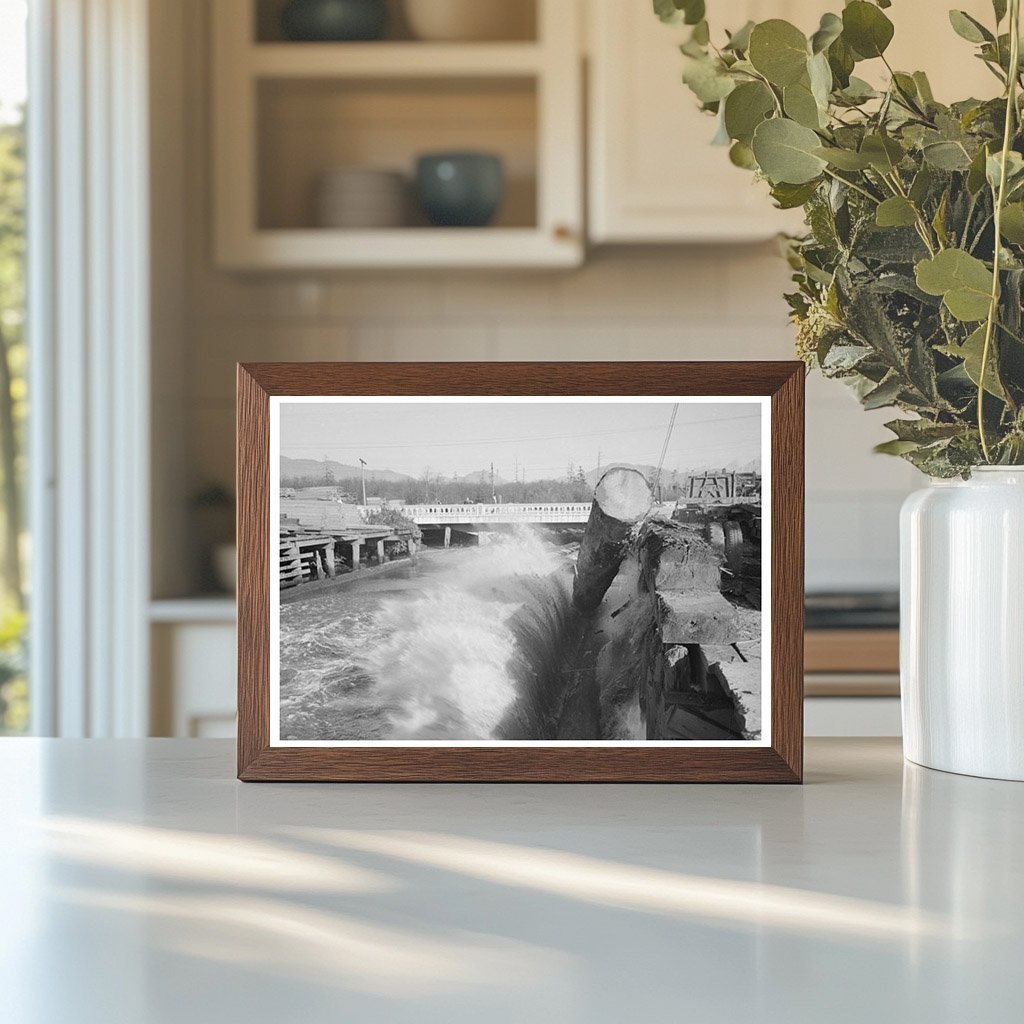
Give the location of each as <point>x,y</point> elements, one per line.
<point>458,658</point>
<point>466,644</point>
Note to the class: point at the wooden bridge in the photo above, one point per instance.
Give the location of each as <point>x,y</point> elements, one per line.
<point>316,535</point>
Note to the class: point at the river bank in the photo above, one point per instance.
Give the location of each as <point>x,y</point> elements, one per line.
<point>317,588</point>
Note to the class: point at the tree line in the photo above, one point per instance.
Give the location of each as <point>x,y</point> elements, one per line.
<point>441,489</point>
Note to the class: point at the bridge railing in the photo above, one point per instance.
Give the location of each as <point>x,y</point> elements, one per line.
<point>520,512</point>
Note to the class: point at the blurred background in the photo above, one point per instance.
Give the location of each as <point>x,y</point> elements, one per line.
<point>245,180</point>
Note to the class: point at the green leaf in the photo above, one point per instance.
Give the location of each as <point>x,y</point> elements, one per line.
<point>739,41</point>
<point>971,352</point>
<point>906,89</point>
<point>883,153</point>
<point>800,105</point>
<point>963,281</point>
<point>969,28</point>
<point>789,197</point>
<point>976,173</point>
<point>866,29</point>
<point>676,12</point>
<point>844,159</point>
<point>896,212</point>
<point>947,156</point>
<point>708,80</point>
<point>895,447</point>
<point>841,60</point>
<point>1014,169</point>
<point>858,91</point>
<point>694,11</point>
<point>939,220</point>
<point>745,108</point>
<point>924,87</point>
<point>785,152</point>
<point>921,185</point>
<point>923,431</point>
<point>829,30</point>
<point>884,395</point>
<point>820,76</point>
<point>778,50</point>
<point>741,155</point>
<point>1012,225</point>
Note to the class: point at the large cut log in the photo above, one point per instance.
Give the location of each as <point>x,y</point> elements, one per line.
<point>621,499</point>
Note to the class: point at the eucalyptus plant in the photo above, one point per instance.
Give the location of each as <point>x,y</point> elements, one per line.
<point>910,278</point>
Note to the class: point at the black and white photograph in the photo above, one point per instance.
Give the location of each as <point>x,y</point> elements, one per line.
<point>517,571</point>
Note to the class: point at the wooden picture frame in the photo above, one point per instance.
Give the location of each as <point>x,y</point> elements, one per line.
<point>780,386</point>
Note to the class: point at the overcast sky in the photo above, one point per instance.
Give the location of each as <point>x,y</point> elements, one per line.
<point>461,438</point>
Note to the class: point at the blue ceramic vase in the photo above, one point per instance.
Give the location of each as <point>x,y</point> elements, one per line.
<point>461,190</point>
<point>331,21</point>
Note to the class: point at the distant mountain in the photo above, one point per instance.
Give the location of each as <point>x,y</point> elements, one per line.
<point>294,469</point>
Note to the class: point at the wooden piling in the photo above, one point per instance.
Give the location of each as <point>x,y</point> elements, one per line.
<point>621,499</point>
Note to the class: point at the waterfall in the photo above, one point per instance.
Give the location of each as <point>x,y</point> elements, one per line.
<point>481,654</point>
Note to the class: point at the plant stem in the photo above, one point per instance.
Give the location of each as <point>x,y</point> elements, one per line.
<point>856,188</point>
<point>923,228</point>
<point>993,309</point>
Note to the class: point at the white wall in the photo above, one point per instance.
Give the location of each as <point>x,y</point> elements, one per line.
<point>656,303</point>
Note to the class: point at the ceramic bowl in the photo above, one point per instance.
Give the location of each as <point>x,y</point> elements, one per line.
<point>460,189</point>
<point>359,197</point>
<point>334,20</point>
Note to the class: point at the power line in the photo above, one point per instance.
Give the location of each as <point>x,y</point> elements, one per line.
<point>664,447</point>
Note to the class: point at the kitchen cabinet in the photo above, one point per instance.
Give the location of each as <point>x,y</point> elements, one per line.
<point>286,113</point>
<point>653,175</point>
<point>193,667</point>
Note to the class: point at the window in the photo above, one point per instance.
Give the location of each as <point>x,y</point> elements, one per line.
<point>14,705</point>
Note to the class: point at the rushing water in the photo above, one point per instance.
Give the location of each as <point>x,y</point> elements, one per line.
<point>468,643</point>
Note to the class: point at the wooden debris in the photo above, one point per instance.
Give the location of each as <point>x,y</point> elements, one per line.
<point>696,618</point>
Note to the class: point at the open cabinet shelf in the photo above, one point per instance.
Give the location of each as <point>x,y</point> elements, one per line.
<point>286,114</point>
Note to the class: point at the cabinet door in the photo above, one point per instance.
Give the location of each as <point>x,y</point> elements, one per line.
<point>654,176</point>
<point>286,113</point>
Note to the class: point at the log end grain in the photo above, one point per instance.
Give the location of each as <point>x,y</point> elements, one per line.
<point>623,493</point>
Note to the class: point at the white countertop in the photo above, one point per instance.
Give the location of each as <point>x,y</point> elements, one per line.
<point>143,885</point>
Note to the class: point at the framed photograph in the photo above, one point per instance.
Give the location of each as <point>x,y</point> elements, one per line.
<point>520,572</point>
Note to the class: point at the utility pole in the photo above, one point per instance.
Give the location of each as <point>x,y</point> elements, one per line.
<point>362,478</point>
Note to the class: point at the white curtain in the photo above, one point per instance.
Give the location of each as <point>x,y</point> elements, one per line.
<point>88,319</point>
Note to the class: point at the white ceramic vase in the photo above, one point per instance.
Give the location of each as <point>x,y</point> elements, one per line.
<point>962,624</point>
